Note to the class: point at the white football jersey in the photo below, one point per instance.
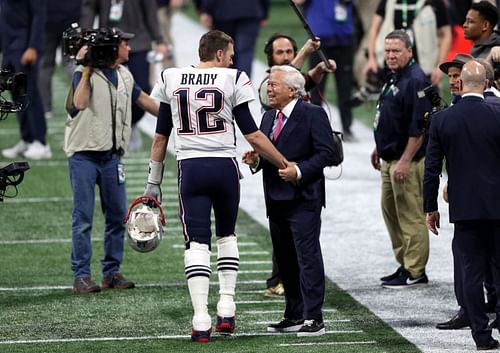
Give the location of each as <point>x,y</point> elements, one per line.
<point>202,101</point>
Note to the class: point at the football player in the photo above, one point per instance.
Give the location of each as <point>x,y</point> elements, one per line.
<point>200,104</point>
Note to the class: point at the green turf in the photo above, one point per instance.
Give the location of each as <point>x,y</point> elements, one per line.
<point>38,312</point>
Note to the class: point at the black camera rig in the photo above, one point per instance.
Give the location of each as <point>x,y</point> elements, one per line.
<point>431,93</point>
<point>15,82</point>
<point>12,175</point>
<point>103,45</point>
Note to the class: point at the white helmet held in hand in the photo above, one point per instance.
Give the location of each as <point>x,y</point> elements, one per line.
<point>144,224</point>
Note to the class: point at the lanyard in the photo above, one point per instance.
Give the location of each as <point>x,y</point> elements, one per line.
<point>404,11</point>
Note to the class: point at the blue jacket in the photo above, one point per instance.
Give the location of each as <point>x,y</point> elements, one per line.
<point>22,24</point>
<point>222,10</point>
<point>61,14</point>
<point>306,139</point>
<point>468,135</point>
<point>331,20</point>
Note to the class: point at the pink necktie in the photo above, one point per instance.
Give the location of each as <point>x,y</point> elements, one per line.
<point>279,125</point>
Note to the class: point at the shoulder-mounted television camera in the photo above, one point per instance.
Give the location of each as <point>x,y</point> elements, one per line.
<point>15,83</point>
<point>432,94</point>
<point>103,45</point>
<point>12,175</point>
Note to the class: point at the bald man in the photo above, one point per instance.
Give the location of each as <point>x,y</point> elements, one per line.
<point>467,136</point>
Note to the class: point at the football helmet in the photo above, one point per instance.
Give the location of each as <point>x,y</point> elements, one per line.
<point>144,224</point>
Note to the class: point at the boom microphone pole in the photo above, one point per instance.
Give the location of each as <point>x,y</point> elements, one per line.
<point>309,31</point>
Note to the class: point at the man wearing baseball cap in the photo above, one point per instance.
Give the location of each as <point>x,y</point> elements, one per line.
<point>97,132</point>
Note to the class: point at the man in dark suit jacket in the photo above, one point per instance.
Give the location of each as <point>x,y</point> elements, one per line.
<point>294,197</point>
<point>468,136</point>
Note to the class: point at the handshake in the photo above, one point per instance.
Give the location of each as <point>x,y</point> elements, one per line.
<point>290,173</point>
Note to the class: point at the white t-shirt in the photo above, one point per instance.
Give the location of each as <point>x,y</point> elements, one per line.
<point>202,101</point>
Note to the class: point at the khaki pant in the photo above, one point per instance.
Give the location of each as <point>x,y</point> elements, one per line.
<point>402,208</point>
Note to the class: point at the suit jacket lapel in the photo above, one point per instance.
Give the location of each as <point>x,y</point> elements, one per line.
<point>267,122</point>
<point>291,121</point>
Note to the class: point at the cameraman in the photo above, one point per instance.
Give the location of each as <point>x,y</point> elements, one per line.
<point>97,133</point>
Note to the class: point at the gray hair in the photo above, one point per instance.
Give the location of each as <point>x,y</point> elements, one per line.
<point>293,79</point>
<point>488,67</point>
<point>402,36</point>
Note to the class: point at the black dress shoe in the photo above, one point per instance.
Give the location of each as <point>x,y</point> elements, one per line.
<point>457,322</point>
<point>492,344</point>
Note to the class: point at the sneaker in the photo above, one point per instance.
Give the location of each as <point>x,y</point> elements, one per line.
<point>117,282</point>
<point>36,150</point>
<point>276,291</point>
<point>405,281</point>
<point>286,325</point>
<point>84,285</point>
<point>311,328</point>
<point>225,325</point>
<point>396,274</point>
<point>201,336</point>
<point>16,150</point>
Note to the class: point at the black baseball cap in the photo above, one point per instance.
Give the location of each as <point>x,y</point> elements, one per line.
<point>458,61</point>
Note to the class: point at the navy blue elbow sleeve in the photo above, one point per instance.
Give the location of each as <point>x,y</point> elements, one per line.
<point>244,119</point>
<point>164,124</point>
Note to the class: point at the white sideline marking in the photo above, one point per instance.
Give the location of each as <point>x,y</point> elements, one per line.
<point>146,285</point>
<point>326,343</point>
<point>166,337</point>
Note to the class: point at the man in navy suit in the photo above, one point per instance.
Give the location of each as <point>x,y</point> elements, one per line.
<point>467,135</point>
<point>22,36</point>
<point>295,196</point>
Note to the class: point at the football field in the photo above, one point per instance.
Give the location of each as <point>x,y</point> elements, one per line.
<point>38,312</point>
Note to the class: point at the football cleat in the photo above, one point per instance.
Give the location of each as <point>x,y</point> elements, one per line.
<point>225,325</point>
<point>144,224</point>
<point>201,336</point>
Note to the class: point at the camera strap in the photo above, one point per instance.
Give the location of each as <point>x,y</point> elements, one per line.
<point>113,103</point>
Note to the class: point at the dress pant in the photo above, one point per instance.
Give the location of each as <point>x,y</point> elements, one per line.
<point>477,243</point>
<point>295,230</point>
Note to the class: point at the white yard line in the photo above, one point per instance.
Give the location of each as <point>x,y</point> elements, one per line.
<point>332,321</point>
<point>145,338</point>
<point>268,301</point>
<point>144,285</point>
<point>347,343</point>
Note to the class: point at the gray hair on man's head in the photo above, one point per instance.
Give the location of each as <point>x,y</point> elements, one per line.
<point>292,78</point>
<point>402,36</point>
<point>488,67</point>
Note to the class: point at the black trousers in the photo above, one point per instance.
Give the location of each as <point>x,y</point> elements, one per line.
<point>478,246</point>
<point>295,229</point>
